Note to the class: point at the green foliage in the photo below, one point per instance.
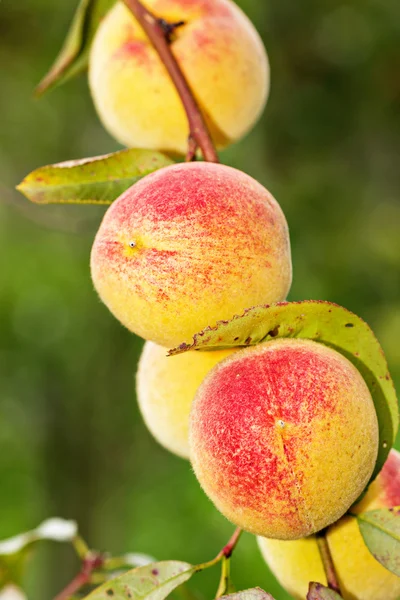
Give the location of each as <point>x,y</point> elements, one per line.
<point>74,54</point>
<point>322,322</point>
<point>151,582</point>
<point>381,532</point>
<point>97,180</point>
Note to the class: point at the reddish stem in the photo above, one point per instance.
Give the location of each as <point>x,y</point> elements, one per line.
<point>231,545</point>
<point>89,564</point>
<point>159,37</point>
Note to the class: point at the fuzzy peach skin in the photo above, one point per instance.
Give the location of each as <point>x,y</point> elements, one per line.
<point>283,437</point>
<point>361,577</point>
<point>165,388</point>
<point>220,53</point>
<point>188,245</point>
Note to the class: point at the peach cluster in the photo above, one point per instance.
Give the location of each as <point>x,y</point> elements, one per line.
<point>283,436</point>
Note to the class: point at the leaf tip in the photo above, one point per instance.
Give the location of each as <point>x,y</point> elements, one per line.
<point>44,85</point>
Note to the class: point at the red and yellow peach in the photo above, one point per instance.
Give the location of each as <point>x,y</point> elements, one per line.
<point>284,437</point>
<point>187,246</point>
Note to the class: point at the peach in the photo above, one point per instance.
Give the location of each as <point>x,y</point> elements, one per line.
<point>165,389</point>
<point>188,245</point>
<point>283,437</point>
<point>361,577</point>
<point>220,53</point>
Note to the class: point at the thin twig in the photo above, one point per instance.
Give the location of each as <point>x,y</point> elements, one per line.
<point>226,552</point>
<point>160,38</point>
<point>327,561</point>
<point>231,545</point>
<point>89,564</point>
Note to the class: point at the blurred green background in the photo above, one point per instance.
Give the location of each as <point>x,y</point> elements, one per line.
<point>71,440</point>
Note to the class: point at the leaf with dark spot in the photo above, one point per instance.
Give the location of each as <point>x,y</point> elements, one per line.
<point>96,180</point>
<point>381,532</point>
<point>322,322</point>
<point>317,591</point>
<point>151,582</point>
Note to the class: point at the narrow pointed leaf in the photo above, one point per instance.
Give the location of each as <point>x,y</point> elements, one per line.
<point>74,54</point>
<point>14,550</point>
<point>97,180</point>
<point>57,530</point>
<point>381,532</point>
<point>251,594</point>
<point>317,591</point>
<point>322,322</point>
<point>151,582</point>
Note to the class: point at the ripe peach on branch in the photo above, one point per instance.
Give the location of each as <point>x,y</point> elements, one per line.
<point>284,437</point>
<point>187,246</point>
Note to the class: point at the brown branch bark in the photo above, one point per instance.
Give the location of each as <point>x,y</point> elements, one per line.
<point>327,561</point>
<point>159,37</point>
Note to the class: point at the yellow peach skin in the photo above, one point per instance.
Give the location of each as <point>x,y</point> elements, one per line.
<point>165,389</point>
<point>218,50</point>
<point>283,437</point>
<point>188,245</point>
<point>361,577</point>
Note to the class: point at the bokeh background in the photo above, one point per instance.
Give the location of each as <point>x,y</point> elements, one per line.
<point>71,440</point>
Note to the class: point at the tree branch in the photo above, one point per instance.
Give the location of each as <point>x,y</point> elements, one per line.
<point>89,564</point>
<point>327,561</point>
<point>159,34</point>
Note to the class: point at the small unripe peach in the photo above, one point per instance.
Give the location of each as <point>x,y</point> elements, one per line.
<point>187,246</point>
<point>220,53</point>
<point>165,389</point>
<point>361,577</point>
<point>284,437</point>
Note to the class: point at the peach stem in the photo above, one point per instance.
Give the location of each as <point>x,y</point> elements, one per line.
<point>224,554</point>
<point>159,37</point>
<point>89,564</point>
<point>327,561</point>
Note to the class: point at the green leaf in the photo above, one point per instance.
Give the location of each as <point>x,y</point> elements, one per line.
<point>13,551</point>
<point>57,530</point>
<point>252,594</point>
<point>317,591</point>
<point>323,322</point>
<point>97,180</point>
<point>151,582</point>
<point>74,54</point>
<point>381,532</point>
